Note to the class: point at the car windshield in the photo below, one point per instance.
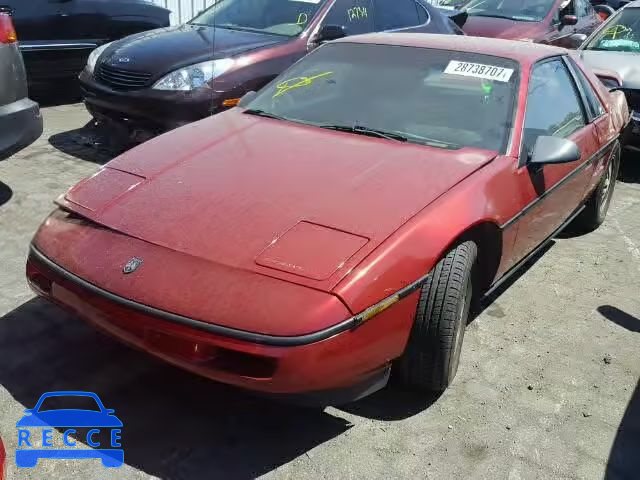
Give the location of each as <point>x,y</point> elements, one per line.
<point>621,34</point>
<point>441,98</point>
<point>277,17</point>
<point>520,10</point>
<point>67,402</point>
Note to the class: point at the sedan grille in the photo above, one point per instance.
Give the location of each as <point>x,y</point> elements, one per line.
<point>119,79</point>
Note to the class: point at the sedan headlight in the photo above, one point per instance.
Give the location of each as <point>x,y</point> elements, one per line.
<point>194,76</point>
<point>93,57</point>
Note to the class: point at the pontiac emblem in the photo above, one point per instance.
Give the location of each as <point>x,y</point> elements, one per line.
<point>132,265</point>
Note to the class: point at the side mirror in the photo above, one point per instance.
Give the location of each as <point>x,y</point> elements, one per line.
<point>247,98</point>
<point>577,39</point>
<point>109,411</point>
<point>604,11</point>
<point>568,20</point>
<point>29,410</point>
<point>330,32</point>
<point>554,150</point>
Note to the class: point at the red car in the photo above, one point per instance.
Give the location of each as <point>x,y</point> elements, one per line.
<point>3,457</point>
<point>341,220</point>
<point>551,22</point>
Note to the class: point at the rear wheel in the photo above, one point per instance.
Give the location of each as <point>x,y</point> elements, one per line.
<point>431,359</point>
<point>598,204</point>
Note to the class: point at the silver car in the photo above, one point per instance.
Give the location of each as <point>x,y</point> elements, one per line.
<point>615,47</point>
<point>20,119</point>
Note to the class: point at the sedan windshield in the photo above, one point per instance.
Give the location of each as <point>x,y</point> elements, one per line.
<point>520,10</point>
<point>620,34</point>
<point>444,99</point>
<point>279,17</point>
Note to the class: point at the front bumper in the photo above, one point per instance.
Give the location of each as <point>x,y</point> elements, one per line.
<point>20,125</point>
<point>148,109</point>
<point>343,367</point>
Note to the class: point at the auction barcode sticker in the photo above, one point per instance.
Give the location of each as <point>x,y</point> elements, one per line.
<point>479,70</point>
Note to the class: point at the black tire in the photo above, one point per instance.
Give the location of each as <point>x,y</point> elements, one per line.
<point>598,204</point>
<point>430,361</point>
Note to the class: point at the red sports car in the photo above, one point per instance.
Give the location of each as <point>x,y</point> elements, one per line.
<point>340,221</point>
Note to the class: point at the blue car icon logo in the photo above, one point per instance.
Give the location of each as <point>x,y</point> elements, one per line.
<point>67,420</point>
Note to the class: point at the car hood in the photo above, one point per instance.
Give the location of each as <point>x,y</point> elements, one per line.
<point>273,197</point>
<point>501,28</point>
<point>166,49</point>
<point>625,64</point>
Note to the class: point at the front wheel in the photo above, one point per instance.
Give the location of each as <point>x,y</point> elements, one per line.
<point>431,359</point>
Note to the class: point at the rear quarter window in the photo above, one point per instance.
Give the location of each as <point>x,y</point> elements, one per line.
<point>594,104</point>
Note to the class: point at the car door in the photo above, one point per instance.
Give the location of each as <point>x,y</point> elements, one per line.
<point>83,20</point>
<point>552,193</point>
<point>33,19</point>
<point>62,22</point>
<point>559,33</point>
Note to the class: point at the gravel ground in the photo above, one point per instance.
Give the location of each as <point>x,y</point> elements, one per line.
<point>547,388</point>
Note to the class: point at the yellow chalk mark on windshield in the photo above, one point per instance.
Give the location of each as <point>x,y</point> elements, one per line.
<point>303,18</point>
<point>297,82</point>
<point>357,13</point>
<point>617,31</point>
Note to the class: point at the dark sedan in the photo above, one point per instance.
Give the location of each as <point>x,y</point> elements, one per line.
<point>56,36</point>
<point>156,81</point>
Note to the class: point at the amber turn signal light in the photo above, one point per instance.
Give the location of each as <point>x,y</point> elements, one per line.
<point>231,102</point>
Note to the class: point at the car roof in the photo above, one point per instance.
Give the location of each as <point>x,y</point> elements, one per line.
<point>525,53</point>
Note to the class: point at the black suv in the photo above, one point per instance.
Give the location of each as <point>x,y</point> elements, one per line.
<point>56,36</point>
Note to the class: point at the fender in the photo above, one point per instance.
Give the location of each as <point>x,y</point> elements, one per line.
<point>487,196</point>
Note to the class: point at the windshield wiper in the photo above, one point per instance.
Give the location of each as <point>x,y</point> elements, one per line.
<point>262,113</point>
<point>238,28</point>
<point>371,132</point>
<point>432,142</point>
<point>391,135</point>
<point>497,15</point>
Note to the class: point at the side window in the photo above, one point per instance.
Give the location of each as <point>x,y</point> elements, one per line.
<point>595,105</point>
<point>553,105</point>
<point>569,8</point>
<point>356,16</point>
<point>391,15</point>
